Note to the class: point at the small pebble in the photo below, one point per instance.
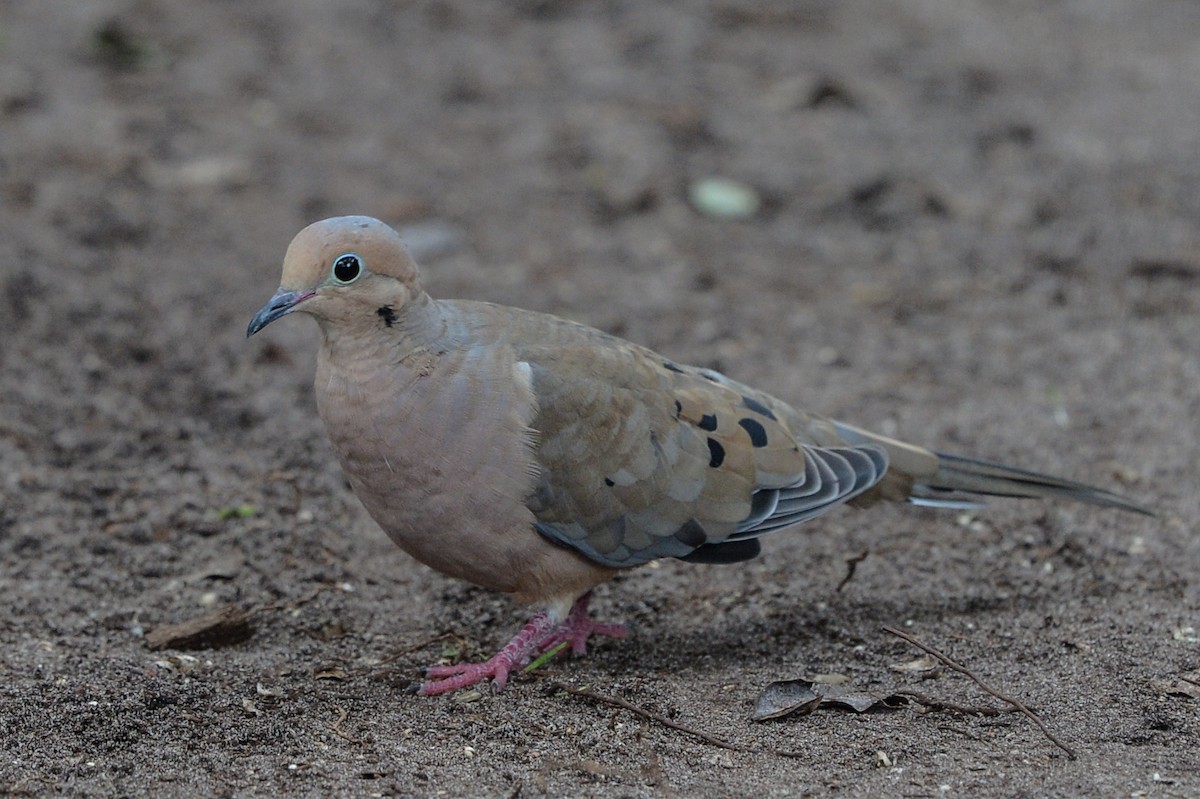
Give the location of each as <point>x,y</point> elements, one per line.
<point>722,198</point>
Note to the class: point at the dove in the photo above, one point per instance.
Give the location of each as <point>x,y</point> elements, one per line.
<point>538,457</point>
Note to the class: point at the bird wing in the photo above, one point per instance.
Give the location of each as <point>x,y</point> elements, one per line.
<point>641,458</point>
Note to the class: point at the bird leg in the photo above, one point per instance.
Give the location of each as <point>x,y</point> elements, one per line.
<point>539,635</point>
<point>579,626</point>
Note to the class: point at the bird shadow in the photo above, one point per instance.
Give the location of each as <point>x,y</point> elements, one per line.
<point>780,632</point>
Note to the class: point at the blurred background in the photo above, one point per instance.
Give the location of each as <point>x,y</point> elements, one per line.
<point>972,224</point>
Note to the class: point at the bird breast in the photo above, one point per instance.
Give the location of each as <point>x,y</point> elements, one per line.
<point>437,447</point>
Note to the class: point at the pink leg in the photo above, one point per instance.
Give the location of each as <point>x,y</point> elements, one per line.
<point>579,626</point>
<point>539,635</point>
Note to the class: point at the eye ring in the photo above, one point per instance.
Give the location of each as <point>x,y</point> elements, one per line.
<point>346,268</point>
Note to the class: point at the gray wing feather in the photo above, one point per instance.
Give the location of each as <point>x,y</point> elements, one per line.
<point>832,476</point>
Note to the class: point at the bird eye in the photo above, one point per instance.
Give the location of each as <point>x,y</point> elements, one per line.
<point>347,268</point>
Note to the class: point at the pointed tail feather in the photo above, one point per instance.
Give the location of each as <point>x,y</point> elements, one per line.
<point>961,475</point>
<point>941,480</point>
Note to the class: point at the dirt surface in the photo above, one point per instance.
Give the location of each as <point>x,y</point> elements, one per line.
<point>978,231</point>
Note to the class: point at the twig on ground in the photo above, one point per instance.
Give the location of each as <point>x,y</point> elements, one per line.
<point>453,636</point>
<point>1016,703</point>
<point>928,702</point>
<point>851,566</point>
<point>336,729</point>
<point>616,701</point>
<point>712,740</point>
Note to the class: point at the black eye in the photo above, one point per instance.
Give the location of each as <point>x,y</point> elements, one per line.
<point>346,268</point>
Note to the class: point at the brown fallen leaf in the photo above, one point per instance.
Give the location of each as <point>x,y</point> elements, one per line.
<point>224,626</point>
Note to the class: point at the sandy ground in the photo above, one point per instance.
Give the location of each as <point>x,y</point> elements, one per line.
<point>978,231</point>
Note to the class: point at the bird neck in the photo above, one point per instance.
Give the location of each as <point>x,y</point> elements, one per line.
<point>419,325</point>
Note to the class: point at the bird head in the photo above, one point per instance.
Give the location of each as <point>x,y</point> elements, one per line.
<point>341,269</point>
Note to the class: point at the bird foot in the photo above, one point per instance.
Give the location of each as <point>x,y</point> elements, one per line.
<point>540,635</point>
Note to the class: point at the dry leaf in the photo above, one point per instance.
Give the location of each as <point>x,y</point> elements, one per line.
<point>784,697</point>
<point>224,626</point>
<point>858,701</point>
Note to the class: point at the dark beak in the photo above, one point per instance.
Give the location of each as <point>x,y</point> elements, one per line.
<point>281,304</point>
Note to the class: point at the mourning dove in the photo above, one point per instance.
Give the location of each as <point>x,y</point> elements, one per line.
<point>536,456</point>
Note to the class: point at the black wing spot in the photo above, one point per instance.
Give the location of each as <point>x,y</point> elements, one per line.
<point>751,404</point>
<point>725,552</point>
<point>387,314</point>
<point>716,453</point>
<point>758,436</point>
<point>670,367</point>
<point>708,422</point>
<point>609,483</point>
<point>678,408</point>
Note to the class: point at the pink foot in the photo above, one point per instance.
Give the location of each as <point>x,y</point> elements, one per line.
<point>539,635</point>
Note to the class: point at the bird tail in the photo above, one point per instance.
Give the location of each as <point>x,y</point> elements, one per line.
<point>941,480</point>
<point>958,475</point>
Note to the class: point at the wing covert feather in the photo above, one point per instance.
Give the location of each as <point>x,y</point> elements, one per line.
<point>641,458</point>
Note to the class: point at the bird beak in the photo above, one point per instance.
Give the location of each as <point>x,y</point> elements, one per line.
<point>281,304</point>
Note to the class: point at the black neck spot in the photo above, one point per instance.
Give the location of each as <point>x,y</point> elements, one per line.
<point>387,314</point>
